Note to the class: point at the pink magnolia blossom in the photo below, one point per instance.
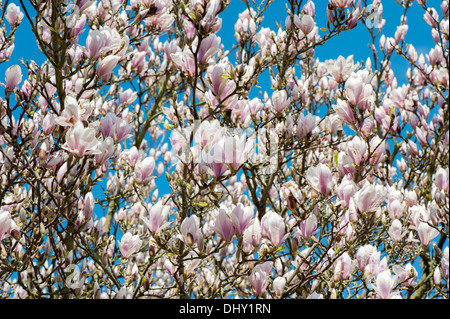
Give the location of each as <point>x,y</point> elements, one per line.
<point>157,217</point>
<point>105,150</point>
<point>358,93</point>
<point>369,198</point>
<point>346,190</point>
<point>115,127</point>
<point>223,225</point>
<point>278,285</point>
<point>190,230</point>
<point>426,233</point>
<point>305,125</point>
<point>407,275</point>
<point>7,224</point>
<point>396,230</point>
<point>441,179</point>
<point>106,65</point>
<point>344,111</point>
<point>320,178</point>
<point>89,203</point>
<point>306,23</point>
<point>129,245</point>
<point>81,141</point>
<point>280,100</point>
<point>13,14</point>
<point>13,77</point>
<point>308,227</point>
<point>357,149</point>
<point>363,255</point>
<point>259,278</point>
<point>385,283</point>
<point>143,170</point>
<point>241,217</point>
<point>273,227</point>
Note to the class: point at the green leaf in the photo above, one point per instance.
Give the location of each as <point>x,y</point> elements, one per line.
<point>225,76</point>
<point>323,29</point>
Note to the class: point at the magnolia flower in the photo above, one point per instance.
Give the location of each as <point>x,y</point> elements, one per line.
<point>396,231</point>
<point>259,278</point>
<point>306,23</point>
<point>278,285</point>
<point>385,283</point>
<point>368,198</point>
<point>346,190</point>
<point>406,275</point>
<point>106,150</point>
<point>223,225</point>
<point>274,228</point>
<point>241,217</point>
<point>344,111</point>
<point>426,233</point>
<point>357,149</point>
<point>190,230</point>
<point>280,100</point>
<point>357,92</point>
<point>116,127</point>
<point>344,267</point>
<point>106,65</point>
<point>129,245</point>
<point>441,179</point>
<point>320,178</point>
<point>363,255</point>
<point>13,14</point>
<point>308,227</point>
<point>89,204</point>
<point>157,217</point>
<point>305,125</point>
<point>13,77</point>
<point>143,170</point>
<point>5,224</point>
<point>81,141</point>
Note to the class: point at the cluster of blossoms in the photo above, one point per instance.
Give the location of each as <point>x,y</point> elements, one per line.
<point>137,161</point>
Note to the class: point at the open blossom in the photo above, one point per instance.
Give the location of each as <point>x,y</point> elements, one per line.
<point>320,178</point>
<point>344,111</point>
<point>426,233</point>
<point>259,278</point>
<point>344,267</point>
<point>305,125</point>
<point>81,141</point>
<point>385,283</point>
<point>369,198</point>
<point>116,127</point>
<point>129,245</point>
<point>358,93</point>
<point>306,23</point>
<point>407,275</point>
<point>241,217</point>
<point>143,170</point>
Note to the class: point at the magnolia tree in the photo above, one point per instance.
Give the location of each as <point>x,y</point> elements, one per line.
<point>142,160</point>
